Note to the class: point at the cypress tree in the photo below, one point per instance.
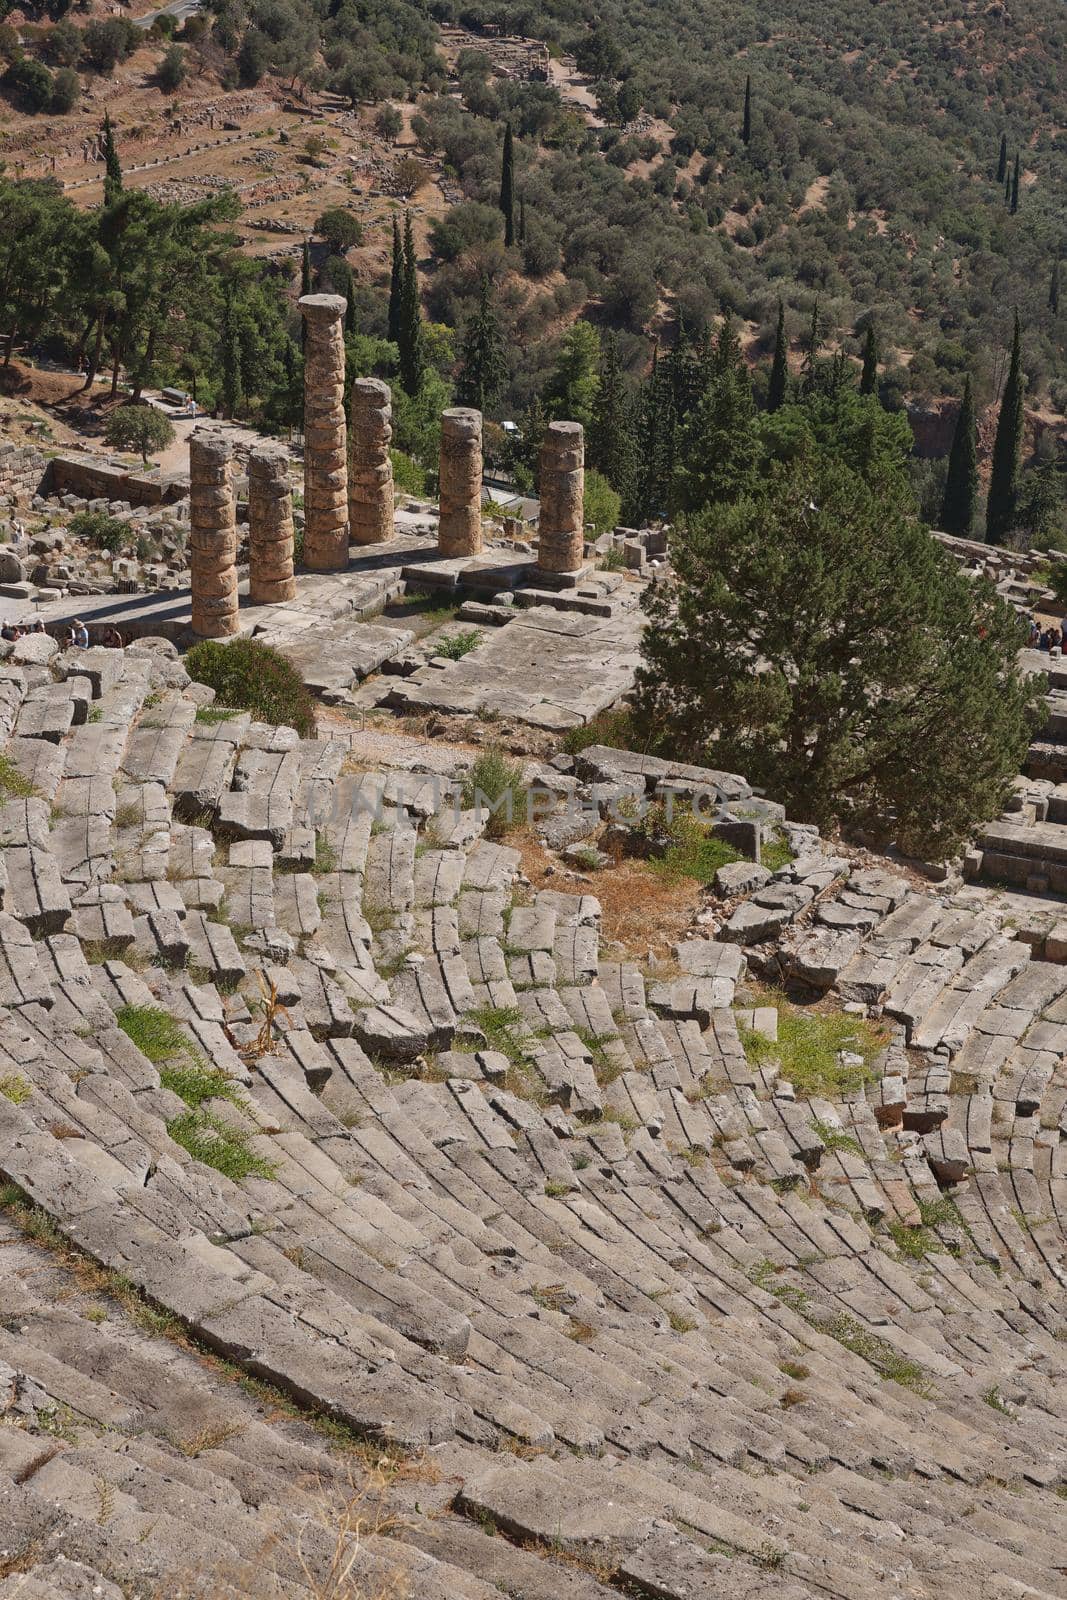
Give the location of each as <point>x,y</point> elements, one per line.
<point>1054,289</point>
<point>1003,482</point>
<point>656,435</point>
<point>811,353</point>
<point>1002,160</point>
<point>869,375</point>
<point>961,484</point>
<point>778,386</point>
<point>507,188</point>
<point>396,285</point>
<point>412,364</point>
<point>232,388</point>
<point>522,219</point>
<point>112,166</point>
<point>350,305</point>
<point>746,123</point>
<point>612,445</point>
<point>484,371</point>
<point>1015,186</point>
<point>534,423</point>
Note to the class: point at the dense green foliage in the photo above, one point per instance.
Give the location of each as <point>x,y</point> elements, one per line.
<point>817,639</point>
<point>895,167</point>
<point>139,427</point>
<point>254,677</point>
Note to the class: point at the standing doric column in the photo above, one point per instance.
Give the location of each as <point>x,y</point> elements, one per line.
<point>560,544</point>
<point>270,526</point>
<point>325,451</point>
<point>460,528</point>
<point>212,536</point>
<point>370,473</point>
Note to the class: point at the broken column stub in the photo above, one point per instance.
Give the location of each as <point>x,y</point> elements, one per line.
<point>460,527</point>
<point>561,543</point>
<point>212,536</point>
<point>270,526</point>
<point>325,449</point>
<point>370,473</point>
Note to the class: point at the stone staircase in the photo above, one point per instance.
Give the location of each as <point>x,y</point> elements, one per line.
<point>369,1231</point>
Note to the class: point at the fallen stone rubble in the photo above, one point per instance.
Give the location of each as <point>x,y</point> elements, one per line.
<point>527,1279</point>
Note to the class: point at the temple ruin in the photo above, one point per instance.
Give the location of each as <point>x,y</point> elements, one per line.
<point>212,536</point>
<point>561,540</point>
<point>325,446</point>
<point>370,469</point>
<point>460,483</point>
<point>270,527</point>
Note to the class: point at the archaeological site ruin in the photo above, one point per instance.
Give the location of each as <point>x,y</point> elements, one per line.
<point>385,1211</point>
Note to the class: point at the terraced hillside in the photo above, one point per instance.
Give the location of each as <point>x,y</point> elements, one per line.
<point>370,1228</point>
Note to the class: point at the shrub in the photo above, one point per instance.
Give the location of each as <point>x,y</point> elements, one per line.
<point>494,785</point>
<point>172,69</point>
<point>254,677</point>
<point>66,91</point>
<point>408,476</point>
<point>31,81</point>
<point>100,530</point>
<point>389,122</point>
<point>458,645</point>
<point>601,506</point>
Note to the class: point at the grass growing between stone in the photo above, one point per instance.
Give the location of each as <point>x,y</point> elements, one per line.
<point>13,785</point>
<point>186,1073</point>
<point>214,1142</point>
<point>826,1053</point>
<point>871,1347</point>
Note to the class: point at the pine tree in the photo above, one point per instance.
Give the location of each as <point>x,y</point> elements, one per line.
<point>484,371</point>
<point>961,484</point>
<point>507,188</point>
<point>746,124</point>
<point>409,340</point>
<point>720,449</point>
<point>396,285</point>
<point>869,375</point>
<point>612,445</point>
<point>1002,160</point>
<point>1003,482</point>
<point>1015,186</point>
<point>778,386</point>
<point>112,166</point>
<point>1054,289</point>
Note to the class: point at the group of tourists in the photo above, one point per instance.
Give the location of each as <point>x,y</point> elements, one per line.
<point>1050,638</point>
<point>76,637</point>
